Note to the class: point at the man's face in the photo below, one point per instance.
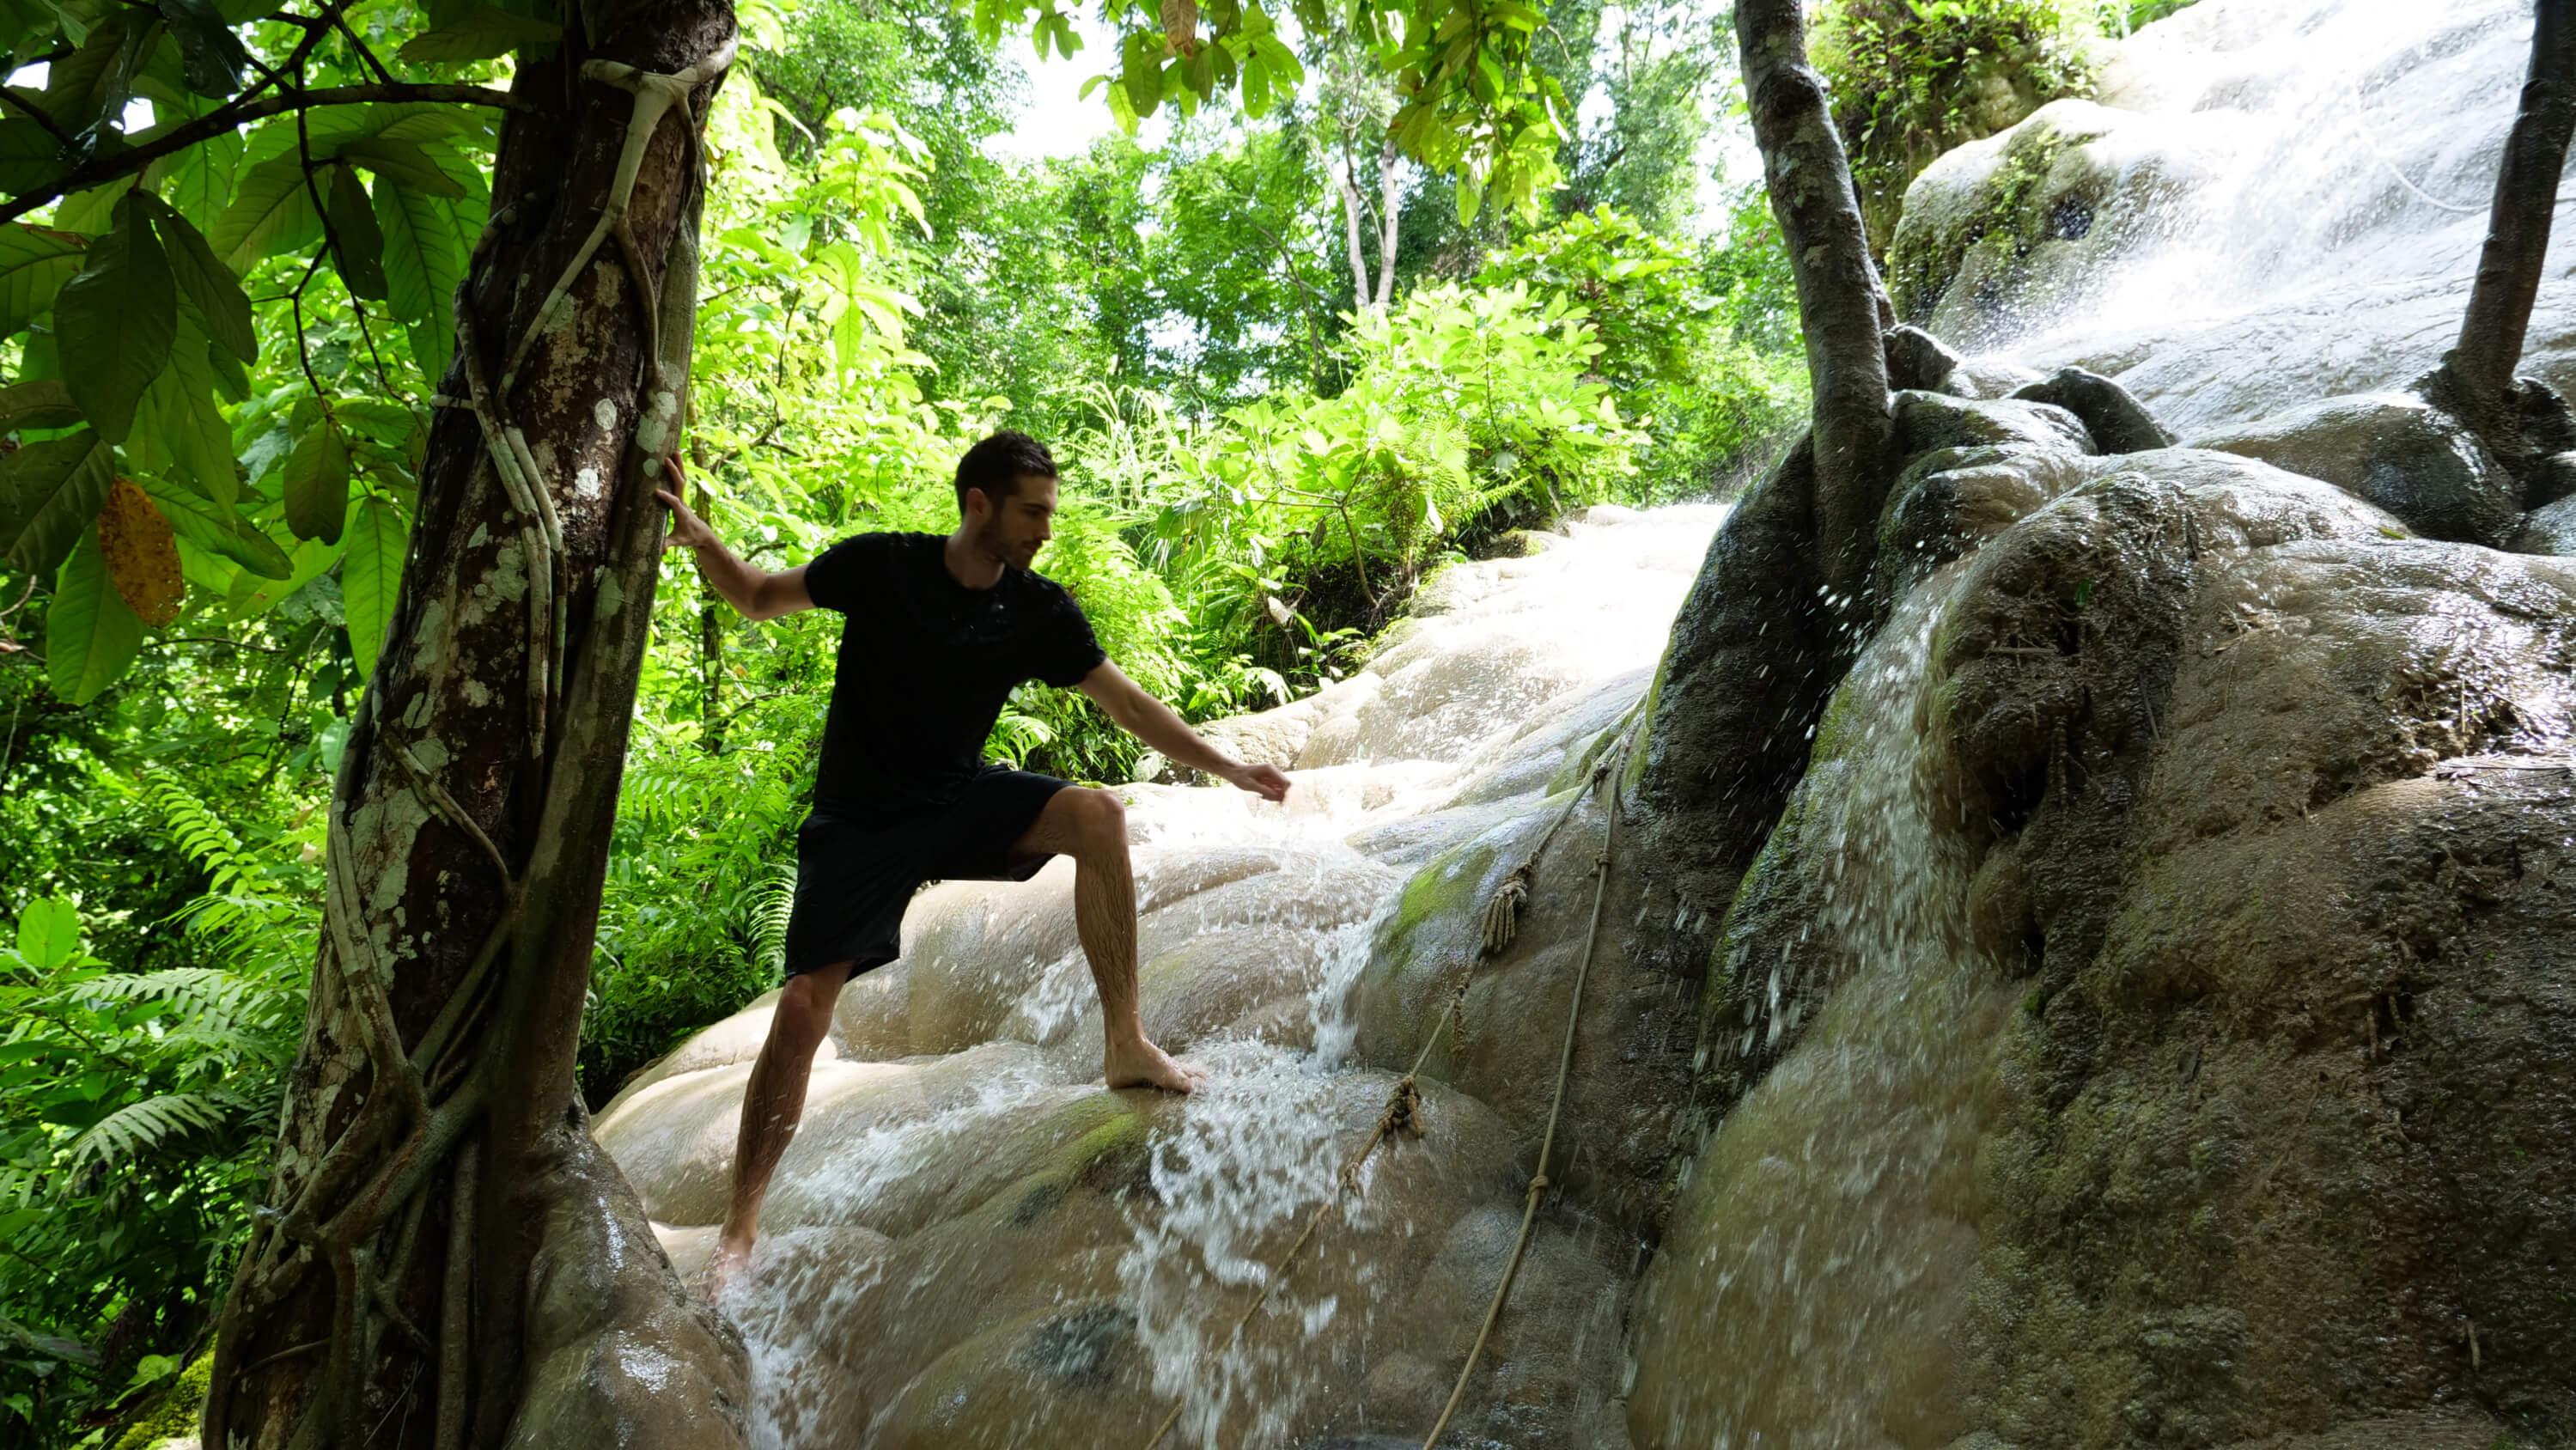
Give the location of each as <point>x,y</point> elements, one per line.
<point>1018,525</point>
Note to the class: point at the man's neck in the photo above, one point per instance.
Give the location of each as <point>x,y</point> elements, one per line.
<point>967,564</point>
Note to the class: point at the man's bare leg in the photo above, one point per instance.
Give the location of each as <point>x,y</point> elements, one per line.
<point>772,1104</point>
<point>1091,827</point>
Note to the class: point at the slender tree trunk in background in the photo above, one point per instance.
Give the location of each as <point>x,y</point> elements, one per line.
<point>1389,210</point>
<point>2479,371</point>
<point>434,1153</point>
<point>1838,292</point>
<point>1351,209</point>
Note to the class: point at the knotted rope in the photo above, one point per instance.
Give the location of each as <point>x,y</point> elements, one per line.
<point>1403,1111</point>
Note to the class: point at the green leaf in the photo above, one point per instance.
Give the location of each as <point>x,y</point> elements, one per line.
<point>371,577</point>
<point>34,265</point>
<point>49,933</point>
<point>404,161</point>
<point>95,81</point>
<point>91,634</point>
<point>29,155</point>
<point>423,254</point>
<point>207,525</point>
<point>212,55</point>
<point>272,212</point>
<point>481,34</point>
<point>179,428</point>
<point>115,321</point>
<point>200,181</point>
<point>38,403</point>
<point>317,483</point>
<point>217,293</point>
<point>49,492</point>
<point>358,246</point>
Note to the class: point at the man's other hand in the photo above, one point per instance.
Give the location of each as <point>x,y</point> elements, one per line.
<point>688,531</point>
<point>1266,781</point>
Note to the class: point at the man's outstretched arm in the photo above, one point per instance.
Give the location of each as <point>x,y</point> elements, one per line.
<point>1153,722</point>
<point>758,593</point>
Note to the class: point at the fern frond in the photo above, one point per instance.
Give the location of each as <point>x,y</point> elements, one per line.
<point>770,911</point>
<point>200,832</point>
<point>156,1122</point>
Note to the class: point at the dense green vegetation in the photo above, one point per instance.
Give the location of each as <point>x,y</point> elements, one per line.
<point>1261,466</point>
<point>1914,78</point>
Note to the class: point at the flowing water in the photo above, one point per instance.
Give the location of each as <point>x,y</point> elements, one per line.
<point>970,1243</point>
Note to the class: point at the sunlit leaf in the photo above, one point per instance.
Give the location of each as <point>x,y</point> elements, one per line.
<point>317,483</point>
<point>480,34</point>
<point>199,521</point>
<point>371,576</point>
<point>49,933</point>
<point>34,265</point>
<point>404,161</point>
<point>221,304</point>
<point>272,212</point>
<point>90,634</point>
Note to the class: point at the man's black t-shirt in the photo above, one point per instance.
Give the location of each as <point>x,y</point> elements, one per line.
<point>925,666</point>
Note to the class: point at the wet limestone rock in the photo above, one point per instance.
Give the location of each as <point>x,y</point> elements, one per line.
<point>2148,1024</point>
<point>2031,221</point>
<point>2399,452</point>
<point>2116,421</point>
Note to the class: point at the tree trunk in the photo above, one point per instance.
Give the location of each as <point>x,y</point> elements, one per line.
<point>434,1152</point>
<point>2477,374</point>
<point>1389,213</point>
<point>1352,207</point>
<point>1839,298</point>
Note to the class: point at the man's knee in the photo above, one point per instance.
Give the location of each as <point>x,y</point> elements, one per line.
<point>1099,821</point>
<point>804,1010</point>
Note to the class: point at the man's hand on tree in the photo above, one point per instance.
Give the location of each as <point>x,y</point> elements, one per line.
<point>1266,781</point>
<point>688,531</point>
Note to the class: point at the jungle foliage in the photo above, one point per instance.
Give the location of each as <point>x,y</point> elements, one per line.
<point>217,371</point>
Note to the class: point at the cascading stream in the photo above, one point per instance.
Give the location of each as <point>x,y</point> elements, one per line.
<point>971,1244</point>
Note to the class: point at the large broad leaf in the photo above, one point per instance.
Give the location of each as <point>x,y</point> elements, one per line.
<point>178,428</point>
<point>200,181</point>
<point>95,81</point>
<point>371,576</point>
<point>142,555</point>
<point>211,285</point>
<point>272,212</point>
<point>357,246</point>
<point>37,403</point>
<point>480,34</point>
<point>211,55</point>
<point>29,155</point>
<point>423,253</point>
<point>90,634</point>
<point>49,492</point>
<point>49,933</point>
<point>405,161</point>
<point>200,521</point>
<point>317,483</point>
<point>34,265</point>
<point>114,323</point>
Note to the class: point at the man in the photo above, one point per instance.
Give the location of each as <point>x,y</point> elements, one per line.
<point>937,632</point>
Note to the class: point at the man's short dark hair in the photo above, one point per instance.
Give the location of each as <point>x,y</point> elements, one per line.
<point>997,465</point>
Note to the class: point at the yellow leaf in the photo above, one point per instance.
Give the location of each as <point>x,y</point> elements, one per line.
<point>142,554</point>
<point>1180,27</point>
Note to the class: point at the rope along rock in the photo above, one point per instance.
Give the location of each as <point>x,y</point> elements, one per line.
<point>1404,1100</point>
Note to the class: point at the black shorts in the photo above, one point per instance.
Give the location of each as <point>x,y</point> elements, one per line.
<point>853,881</point>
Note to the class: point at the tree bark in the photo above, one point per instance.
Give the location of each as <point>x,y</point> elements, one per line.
<point>1839,299</point>
<point>1390,203</point>
<point>433,1149</point>
<point>2479,370</point>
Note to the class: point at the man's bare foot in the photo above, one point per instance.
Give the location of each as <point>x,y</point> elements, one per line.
<point>1141,1064</point>
<point>723,1269</point>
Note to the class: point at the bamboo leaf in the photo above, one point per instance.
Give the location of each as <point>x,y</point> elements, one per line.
<point>142,555</point>
<point>90,635</point>
<point>49,492</point>
<point>114,322</point>
<point>317,483</point>
<point>481,34</point>
<point>371,577</point>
